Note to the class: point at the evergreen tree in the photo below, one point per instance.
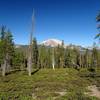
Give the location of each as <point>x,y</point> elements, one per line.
<point>35,53</point>
<point>42,56</point>
<point>57,56</point>
<point>6,49</point>
<point>94,57</point>
<point>18,61</point>
<point>86,58</point>
<point>68,58</point>
<point>98,20</point>
<point>98,63</point>
<point>49,57</point>
<point>62,55</point>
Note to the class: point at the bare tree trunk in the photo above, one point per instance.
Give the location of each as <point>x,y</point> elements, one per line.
<point>29,67</point>
<point>53,60</point>
<point>7,62</point>
<point>4,65</point>
<point>53,65</point>
<point>30,52</point>
<point>87,61</point>
<point>80,60</point>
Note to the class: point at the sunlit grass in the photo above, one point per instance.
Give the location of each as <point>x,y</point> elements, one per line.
<point>47,84</point>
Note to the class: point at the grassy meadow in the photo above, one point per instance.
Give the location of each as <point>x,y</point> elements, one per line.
<point>48,84</point>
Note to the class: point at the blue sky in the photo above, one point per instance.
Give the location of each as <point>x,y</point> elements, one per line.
<point>70,20</point>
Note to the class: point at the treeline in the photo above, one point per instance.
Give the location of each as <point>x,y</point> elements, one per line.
<point>68,57</point>
<point>44,57</point>
<point>12,58</point>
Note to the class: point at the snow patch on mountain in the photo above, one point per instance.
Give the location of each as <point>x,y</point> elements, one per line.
<point>52,42</point>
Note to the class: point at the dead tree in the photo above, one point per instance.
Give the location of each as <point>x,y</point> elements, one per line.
<point>53,59</point>
<point>30,52</point>
<point>5,65</point>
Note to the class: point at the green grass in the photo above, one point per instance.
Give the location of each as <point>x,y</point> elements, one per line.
<point>47,84</point>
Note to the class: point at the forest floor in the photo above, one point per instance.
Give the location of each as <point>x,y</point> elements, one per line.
<point>48,84</point>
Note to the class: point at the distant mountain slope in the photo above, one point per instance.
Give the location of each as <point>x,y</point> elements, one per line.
<point>54,43</point>
<point>51,42</point>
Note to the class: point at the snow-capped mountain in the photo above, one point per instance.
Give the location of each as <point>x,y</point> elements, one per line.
<point>55,43</point>
<point>52,42</point>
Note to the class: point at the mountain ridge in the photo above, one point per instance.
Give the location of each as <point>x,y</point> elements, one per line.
<point>51,42</point>
<point>55,42</point>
